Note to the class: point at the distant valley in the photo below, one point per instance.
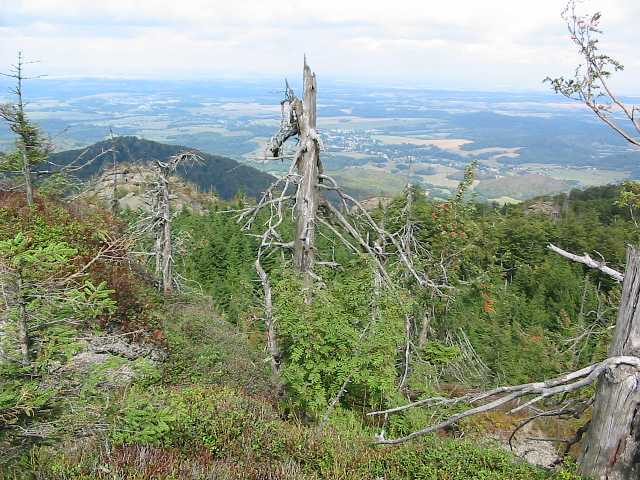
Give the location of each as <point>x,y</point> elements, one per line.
<point>375,139</point>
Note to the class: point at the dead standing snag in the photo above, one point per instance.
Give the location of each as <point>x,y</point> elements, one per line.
<point>301,191</point>
<point>611,446</point>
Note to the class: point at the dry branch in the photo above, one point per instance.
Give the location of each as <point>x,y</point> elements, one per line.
<point>502,396</point>
<point>589,262</point>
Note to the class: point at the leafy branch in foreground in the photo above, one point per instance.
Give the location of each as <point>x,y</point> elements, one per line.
<point>590,82</point>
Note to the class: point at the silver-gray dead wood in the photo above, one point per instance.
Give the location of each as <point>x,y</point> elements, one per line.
<point>611,448</point>
<point>162,216</point>
<point>309,169</point>
<point>301,191</point>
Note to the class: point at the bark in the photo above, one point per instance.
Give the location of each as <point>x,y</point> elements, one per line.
<point>309,168</point>
<point>26,170</point>
<point>26,167</point>
<point>115,204</point>
<point>588,261</point>
<point>272,344</point>
<point>158,232</point>
<point>424,329</point>
<point>23,329</point>
<point>407,350</point>
<point>502,396</point>
<point>167,274</point>
<point>611,449</point>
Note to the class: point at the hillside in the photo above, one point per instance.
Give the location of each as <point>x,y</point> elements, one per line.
<point>139,387</point>
<point>223,175</point>
<point>520,187</point>
<point>132,186</point>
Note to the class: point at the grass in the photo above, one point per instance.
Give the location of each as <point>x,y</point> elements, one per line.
<point>370,181</point>
<point>212,414</point>
<point>220,433</point>
<point>520,187</point>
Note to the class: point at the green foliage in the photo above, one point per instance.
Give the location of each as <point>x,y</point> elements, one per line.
<point>205,349</point>
<point>438,354</point>
<point>19,399</point>
<point>212,409</point>
<point>221,260</point>
<point>58,185</point>
<point>338,335</point>
<point>61,297</point>
<point>46,298</point>
<point>140,421</point>
<point>220,433</point>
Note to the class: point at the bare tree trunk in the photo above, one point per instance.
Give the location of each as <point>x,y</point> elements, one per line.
<point>165,235</point>
<point>272,344</point>
<point>611,449</point>
<point>407,350</point>
<point>307,197</point>
<point>158,232</point>
<point>23,329</point>
<point>115,204</point>
<point>424,328</point>
<point>26,170</point>
<point>162,230</point>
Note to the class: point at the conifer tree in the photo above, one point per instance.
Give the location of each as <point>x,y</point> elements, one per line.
<point>31,147</point>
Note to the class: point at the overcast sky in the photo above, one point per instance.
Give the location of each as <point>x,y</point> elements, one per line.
<point>458,44</point>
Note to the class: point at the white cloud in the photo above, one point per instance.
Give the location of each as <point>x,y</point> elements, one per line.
<point>457,43</point>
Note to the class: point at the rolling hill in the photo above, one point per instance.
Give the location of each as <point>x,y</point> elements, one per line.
<point>223,175</point>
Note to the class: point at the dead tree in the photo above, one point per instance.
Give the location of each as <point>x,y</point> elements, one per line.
<point>611,447</point>
<point>161,217</point>
<point>299,119</point>
<point>301,191</point>
<point>115,206</point>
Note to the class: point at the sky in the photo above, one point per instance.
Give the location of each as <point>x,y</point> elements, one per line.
<point>498,45</point>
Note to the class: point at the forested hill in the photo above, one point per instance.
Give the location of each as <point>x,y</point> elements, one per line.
<point>224,175</point>
<point>602,203</point>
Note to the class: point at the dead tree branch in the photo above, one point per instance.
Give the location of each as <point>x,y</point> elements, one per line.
<point>589,262</point>
<point>566,383</point>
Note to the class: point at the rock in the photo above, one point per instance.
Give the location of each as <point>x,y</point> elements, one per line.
<point>120,347</point>
<point>113,371</point>
<point>526,446</point>
<point>83,362</point>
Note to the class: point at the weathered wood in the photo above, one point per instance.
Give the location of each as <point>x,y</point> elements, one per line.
<point>26,173</point>
<point>309,168</point>
<point>611,449</point>
<point>23,328</point>
<point>503,396</point>
<point>161,213</point>
<point>588,261</point>
<point>115,204</point>
<point>272,341</point>
<point>167,254</point>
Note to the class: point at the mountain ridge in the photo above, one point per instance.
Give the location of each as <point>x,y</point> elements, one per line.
<point>224,175</point>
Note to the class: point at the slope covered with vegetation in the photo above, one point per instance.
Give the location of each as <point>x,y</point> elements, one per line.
<point>196,400</point>
<point>140,386</point>
<point>222,175</point>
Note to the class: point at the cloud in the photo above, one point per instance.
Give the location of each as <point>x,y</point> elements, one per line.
<point>456,44</point>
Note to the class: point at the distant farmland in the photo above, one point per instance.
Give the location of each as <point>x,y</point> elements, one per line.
<point>520,187</point>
